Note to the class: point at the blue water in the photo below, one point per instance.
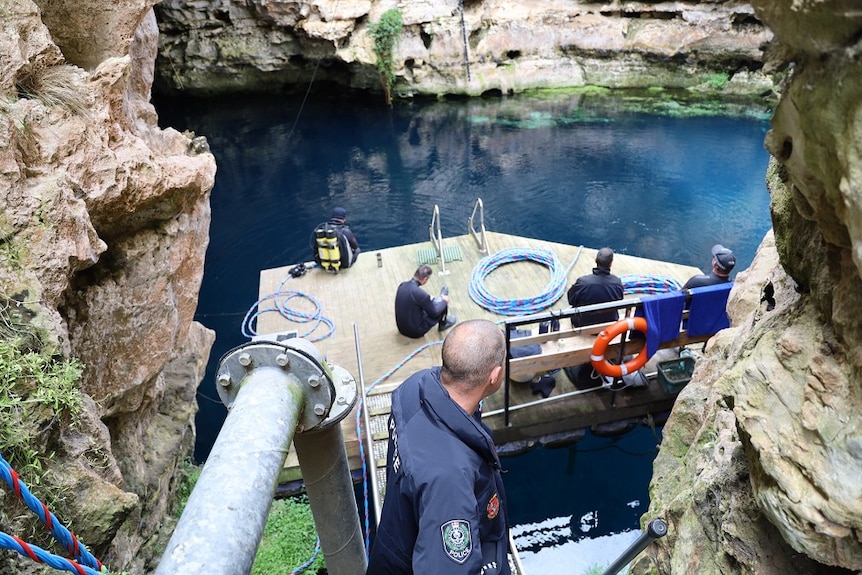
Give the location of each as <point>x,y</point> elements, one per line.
<point>570,170</point>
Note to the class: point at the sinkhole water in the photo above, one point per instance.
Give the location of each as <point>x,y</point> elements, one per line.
<point>644,179</point>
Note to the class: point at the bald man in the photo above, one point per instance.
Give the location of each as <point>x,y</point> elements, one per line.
<point>444,510</point>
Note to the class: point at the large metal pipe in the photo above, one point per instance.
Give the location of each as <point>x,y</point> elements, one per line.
<point>223,521</point>
<point>326,474</point>
<point>657,528</point>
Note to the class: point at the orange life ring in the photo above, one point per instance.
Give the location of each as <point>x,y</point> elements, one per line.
<point>601,365</point>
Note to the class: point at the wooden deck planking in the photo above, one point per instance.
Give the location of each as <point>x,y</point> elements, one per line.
<point>364,294</point>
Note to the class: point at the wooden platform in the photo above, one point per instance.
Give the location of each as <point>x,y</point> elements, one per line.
<point>361,299</point>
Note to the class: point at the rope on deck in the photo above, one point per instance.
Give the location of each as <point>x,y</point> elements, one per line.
<point>65,537</point>
<point>520,306</point>
<point>281,297</point>
<point>649,284</point>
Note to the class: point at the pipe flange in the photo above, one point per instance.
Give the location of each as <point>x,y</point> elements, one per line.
<point>296,357</point>
<point>346,395</point>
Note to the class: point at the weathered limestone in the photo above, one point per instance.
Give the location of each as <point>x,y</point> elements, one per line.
<point>104,224</point>
<point>759,469</point>
<point>491,46</point>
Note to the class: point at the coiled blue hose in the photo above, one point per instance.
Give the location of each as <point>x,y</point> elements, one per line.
<point>520,306</point>
<point>649,284</point>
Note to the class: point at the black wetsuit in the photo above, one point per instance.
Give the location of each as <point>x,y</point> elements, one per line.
<point>416,311</point>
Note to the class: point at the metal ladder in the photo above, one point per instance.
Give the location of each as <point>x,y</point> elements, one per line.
<point>437,238</point>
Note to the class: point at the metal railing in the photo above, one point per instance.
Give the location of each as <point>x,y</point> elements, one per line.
<point>437,238</point>
<point>479,236</point>
<point>656,529</point>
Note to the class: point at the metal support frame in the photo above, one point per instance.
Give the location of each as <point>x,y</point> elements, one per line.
<point>273,390</point>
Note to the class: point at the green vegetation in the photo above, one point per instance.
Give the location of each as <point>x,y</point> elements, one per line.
<point>38,389</point>
<point>188,476</point>
<point>385,33</point>
<point>717,81</point>
<point>288,539</point>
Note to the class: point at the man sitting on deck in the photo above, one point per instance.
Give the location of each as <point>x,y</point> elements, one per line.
<point>417,311</point>
<point>723,261</point>
<point>333,244</point>
<point>601,286</point>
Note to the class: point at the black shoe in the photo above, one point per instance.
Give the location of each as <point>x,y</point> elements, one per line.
<point>450,321</point>
<point>444,291</point>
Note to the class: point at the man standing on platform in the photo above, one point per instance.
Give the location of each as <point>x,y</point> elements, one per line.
<point>444,510</point>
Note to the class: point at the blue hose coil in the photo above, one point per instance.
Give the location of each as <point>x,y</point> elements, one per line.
<point>520,306</point>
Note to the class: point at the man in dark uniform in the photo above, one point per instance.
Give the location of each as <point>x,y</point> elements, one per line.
<point>598,287</point>
<point>444,510</point>
<point>416,311</point>
<point>723,262</point>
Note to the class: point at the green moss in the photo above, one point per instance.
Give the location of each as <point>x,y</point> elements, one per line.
<point>289,539</point>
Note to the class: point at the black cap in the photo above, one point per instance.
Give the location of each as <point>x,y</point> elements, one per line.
<point>339,213</point>
<point>724,258</point>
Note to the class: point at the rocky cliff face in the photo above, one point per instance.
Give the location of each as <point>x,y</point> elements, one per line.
<point>454,47</point>
<point>759,470</point>
<point>103,230</point>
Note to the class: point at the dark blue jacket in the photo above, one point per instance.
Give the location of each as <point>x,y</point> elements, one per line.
<point>444,510</point>
<point>599,287</point>
<point>415,310</point>
<point>703,280</point>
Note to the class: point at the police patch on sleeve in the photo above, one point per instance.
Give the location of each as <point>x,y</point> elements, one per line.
<point>456,540</point>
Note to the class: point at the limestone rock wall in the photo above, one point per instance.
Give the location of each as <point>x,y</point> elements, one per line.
<point>488,46</point>
<point>760,468</point>
<point>103,229</point>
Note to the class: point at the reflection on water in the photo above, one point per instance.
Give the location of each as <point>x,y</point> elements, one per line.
<point>569,169</point>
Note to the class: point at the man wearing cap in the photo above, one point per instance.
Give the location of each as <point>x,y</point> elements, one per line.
<point>723,261</point>
<point>348,248</point>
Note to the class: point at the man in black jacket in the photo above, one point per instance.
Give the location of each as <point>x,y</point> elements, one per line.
<point>598,287</point>
<point>445,505</point>
<point>723,262</point>
<point>417,311</point>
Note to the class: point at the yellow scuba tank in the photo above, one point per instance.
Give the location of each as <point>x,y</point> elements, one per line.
<point>322,244</point>
<point>334,251</point>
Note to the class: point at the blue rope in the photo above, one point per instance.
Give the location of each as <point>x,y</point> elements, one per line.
<point>308,563</point>
<point>39,555</point>
<point>281,297</point>
<point>523,306</point>
<point>75,548</point>
<point>359,431</point>
<point>649,284</point>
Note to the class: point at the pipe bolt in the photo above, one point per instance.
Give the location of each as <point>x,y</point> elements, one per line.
<point>319,409</point>
<point>282,359</point>
<point>314,381</point>
<point>224,380</point>
<point>244,359</point>
<point>342,400</point>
